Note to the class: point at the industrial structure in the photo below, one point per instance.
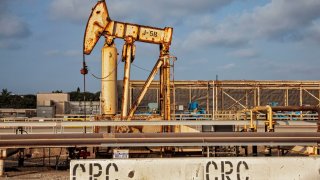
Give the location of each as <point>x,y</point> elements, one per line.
<point>100,24</point>
<point>225,96</point>
<point>217,98</point>
<point>204,119</point>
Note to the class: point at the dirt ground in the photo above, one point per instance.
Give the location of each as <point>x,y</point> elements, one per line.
<point>44,173</point>
<point>37,167</point>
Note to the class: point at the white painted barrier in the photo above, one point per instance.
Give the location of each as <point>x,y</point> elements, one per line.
<point>222,168</point>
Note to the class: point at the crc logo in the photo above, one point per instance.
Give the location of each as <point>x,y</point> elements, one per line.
<point>226,169</point>
<point>93,175</point>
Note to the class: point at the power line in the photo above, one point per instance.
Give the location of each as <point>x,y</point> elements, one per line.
<point>141,68</point>
<point>114,69</point>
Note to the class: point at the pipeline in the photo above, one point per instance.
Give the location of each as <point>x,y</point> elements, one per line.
<point>270,109</point>
<point>157,139</point>
<point>252,127</point>
<point>269,115</point>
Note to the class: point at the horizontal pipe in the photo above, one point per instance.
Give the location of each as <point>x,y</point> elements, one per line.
<point>145,123</point>
<point>157,139</point>
<point>160,142</point>
<point>237,82</point>
<point>157,135</point>
<point>118,141</point>
<point>295,108</point>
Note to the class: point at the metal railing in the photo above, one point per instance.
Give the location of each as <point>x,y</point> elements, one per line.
<point>225,115</point>
<point>288,117</point>
<point>18,125</point>
<point>60,127</point>
<point>191,116</point>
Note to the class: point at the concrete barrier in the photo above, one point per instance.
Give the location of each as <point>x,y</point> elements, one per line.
<point>222,168</point>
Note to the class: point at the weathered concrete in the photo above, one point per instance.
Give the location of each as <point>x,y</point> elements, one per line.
<point>262,168</point>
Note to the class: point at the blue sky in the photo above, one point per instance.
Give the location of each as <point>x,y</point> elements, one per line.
<point>41,40</point>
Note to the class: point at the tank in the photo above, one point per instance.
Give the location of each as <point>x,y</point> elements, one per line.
<point>109,94</point>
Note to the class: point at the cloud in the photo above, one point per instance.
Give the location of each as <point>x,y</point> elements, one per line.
<point>71,10</point>
<point>279,68</point>
<point>313,33</point>
<point>213,38</point>
<point>244,53</point>
<point>279,20</point>
<point>138,11</point>
<point>12,27</point>
<point>298,69</point>
<point>163,11</point>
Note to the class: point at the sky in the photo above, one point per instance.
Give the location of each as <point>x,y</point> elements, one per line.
<point>41,41</point>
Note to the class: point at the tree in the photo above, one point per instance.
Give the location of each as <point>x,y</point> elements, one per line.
<point>5,98</point>
<point>5,93</point>
<point>8,100</point>
<point>29,101</point>
<point>97,96</point>
<point>57,91</point>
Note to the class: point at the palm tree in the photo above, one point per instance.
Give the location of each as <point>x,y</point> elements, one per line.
<point>4,98</point>
<point>5,93</point>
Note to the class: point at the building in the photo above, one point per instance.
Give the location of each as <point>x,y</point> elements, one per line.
<point>50,104</point>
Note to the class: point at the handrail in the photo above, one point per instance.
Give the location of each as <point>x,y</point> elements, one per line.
<point>270,110</point>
